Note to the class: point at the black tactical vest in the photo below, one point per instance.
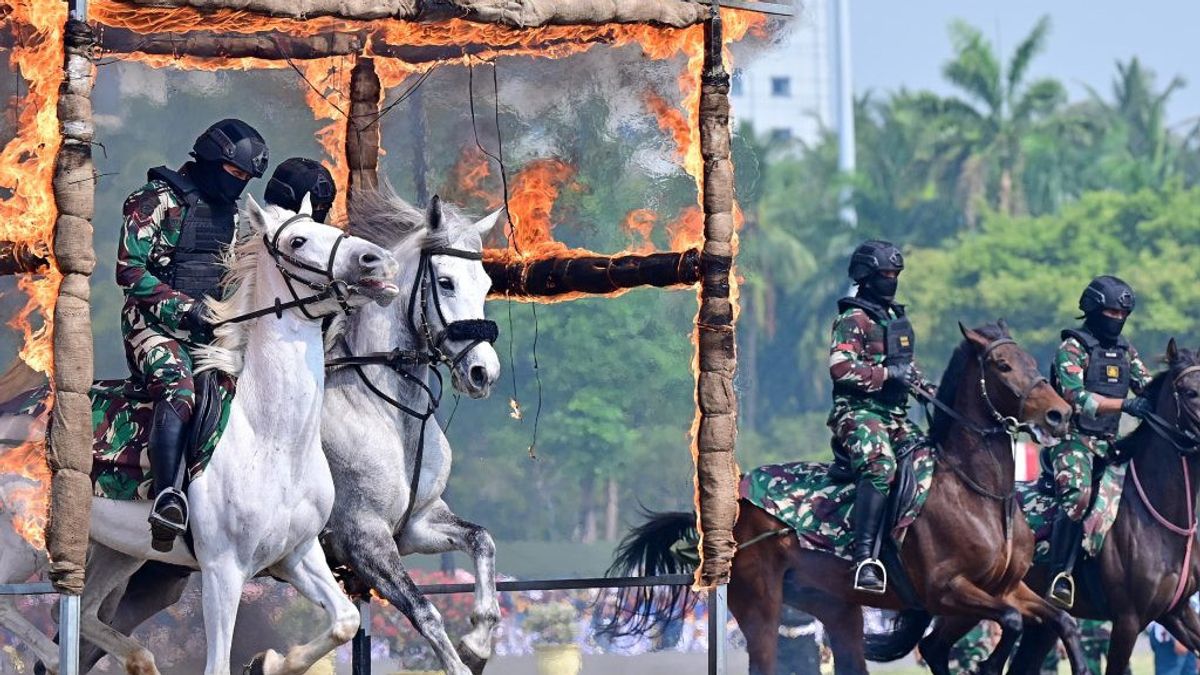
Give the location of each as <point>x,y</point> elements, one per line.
<point>204,234</point>
<point>899,343</point>
<point>1107,374</point>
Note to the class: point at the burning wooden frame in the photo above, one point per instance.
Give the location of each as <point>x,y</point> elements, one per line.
<point>358,28</point>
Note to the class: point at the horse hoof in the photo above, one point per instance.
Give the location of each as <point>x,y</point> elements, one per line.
<point>470,658</point>
<point>39,668</point>
<point>141,662</point>
<point>257,665</point>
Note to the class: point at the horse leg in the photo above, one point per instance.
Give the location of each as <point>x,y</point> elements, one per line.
<point>365,543</point>
<point>1036,642</point>
<point>756,599</point>
<point>153,588</point>
<point>43,648</point>
<point>936,646</point>
<point>222,581</point>
<point>844,625</point>
<point>964,598</point>
<point>308,571</point>
<point>1055,620</point>
<point>1184,625</point>
<point>439,530</point>
<point>108,572</point>
<point>1125,630</point>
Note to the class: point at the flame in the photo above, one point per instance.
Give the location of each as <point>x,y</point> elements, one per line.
<point>687,230</point>
<point>28,504</point>
<point>639,223</point>
<point>470,177</point>
<point>327,93</point>
<point>534,191</point>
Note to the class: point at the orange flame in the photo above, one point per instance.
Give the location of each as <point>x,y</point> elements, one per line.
<point>28,505</point>
<point>470,178</point>
<point>534,191</point>
<point>639,223</point>
<point>329,98</point>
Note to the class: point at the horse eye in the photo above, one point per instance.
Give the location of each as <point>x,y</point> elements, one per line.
<point>1003,367</point>
<point>1190,393</point>
<point>445,283</point>
<point>297,242</point>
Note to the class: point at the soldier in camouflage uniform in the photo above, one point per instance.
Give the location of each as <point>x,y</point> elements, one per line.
<point>974,648</point>
<point>871,363</point>
<point>1094,370</point>
<point>176,229</point>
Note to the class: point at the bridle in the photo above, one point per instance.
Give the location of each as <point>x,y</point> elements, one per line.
<point>432,353</point>
<point>1184,438</point>
<point>329,287</point>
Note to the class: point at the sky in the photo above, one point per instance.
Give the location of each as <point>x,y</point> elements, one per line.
<point>904,43</point>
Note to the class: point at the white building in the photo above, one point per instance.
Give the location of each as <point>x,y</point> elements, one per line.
<point>787,91</point>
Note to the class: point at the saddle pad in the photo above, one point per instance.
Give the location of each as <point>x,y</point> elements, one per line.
<point>802,496</point>
<point>121,416</point>
<point>1040,508</point>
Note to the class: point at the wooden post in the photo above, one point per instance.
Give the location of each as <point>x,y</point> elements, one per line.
<point>588,274</point>
<point>362,132</point>
<point>70,435</point>
<point>716,433</point>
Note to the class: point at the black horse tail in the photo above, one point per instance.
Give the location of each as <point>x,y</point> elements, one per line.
<point>898,642</point>
<point>664,544</point>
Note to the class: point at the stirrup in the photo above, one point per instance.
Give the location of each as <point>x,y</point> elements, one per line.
<point>1069,601</point>
<point>872,562</point>
<point>162,526</point>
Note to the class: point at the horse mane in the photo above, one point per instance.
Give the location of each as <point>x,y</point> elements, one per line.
<point>228,347</point>
<point>948,388</point>
<point>384,218</point>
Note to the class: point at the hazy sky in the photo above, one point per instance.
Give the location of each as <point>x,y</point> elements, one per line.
<point>905,43</point>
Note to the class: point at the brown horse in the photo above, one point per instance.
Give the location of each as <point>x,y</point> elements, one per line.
<point>1148,567</point>
<point>966,554</point>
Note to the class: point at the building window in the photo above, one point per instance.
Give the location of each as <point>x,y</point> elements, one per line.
<point>737,86</point>
<point>780,135</point>
<point>781,86</point>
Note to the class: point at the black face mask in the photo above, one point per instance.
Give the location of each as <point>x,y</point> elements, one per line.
<point>320,212</point>
<point>215,182</point>
<point>880,288</point>
<point>1105,328</point>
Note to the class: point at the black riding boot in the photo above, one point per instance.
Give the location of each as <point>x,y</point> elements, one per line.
<point>169,517</point>
<point>1066,535</point>
<point>869,505</point>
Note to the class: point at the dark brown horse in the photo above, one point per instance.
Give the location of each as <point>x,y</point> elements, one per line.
<point>1148,567</point>
<point>966,554</point>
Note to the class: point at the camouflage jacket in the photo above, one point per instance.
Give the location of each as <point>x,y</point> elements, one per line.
<point>856,360</point>
<point>148,237</point>
<point>1070,363</point>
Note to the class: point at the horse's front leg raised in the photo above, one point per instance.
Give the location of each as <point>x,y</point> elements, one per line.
<point>1184,625</point>
<point>438,530</point>
<point>108,573</point>
<point>961,597</point>
<point>307,570</point>
<point>365,543</point>
<point>1055,619</point>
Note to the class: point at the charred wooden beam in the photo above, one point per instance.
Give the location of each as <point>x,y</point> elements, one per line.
<point>70,435</point>
<point>592,275</point>
<point>362,132</point>
<point>716,344</point>
<point>20,258</point>
<point>270,45</point>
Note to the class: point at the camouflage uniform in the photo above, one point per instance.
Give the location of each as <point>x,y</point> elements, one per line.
<point>1071,460</point>
<point>869,428</point>
<point>974,648</point>
<point>156,343</point>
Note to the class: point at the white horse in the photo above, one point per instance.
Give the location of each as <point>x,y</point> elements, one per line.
<point>269,455</point>
<point>374,445</point>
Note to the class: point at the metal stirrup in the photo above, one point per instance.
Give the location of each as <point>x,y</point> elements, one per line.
<point>878,564</point>
<point>1069,602</point>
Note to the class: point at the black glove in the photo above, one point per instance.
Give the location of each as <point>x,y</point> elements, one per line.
<point>1138,407</point>
<point>195,319</point>
<point>900,371</point>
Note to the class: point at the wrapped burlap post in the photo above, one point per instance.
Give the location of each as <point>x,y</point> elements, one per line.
<point>70,436</point>
<point>716,467</point>
<point>362,130</point>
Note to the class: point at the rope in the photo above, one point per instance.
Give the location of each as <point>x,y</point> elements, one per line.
<point>1189,532</point>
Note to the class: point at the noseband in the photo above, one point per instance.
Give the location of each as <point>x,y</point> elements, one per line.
<point>1184,438</point>
<point>424,292</point>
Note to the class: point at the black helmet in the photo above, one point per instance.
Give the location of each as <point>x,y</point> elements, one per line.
<point>875,256</point>
<point>296,177</point>
<point>234,142</point>
<point>1107,292</point>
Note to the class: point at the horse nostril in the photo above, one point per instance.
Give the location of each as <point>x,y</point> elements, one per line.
<point>478,375</point>
<point>1055,418</point>
<point>368,259</point>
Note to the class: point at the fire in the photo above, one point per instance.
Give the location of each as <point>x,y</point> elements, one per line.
<point>329,98</point>
<point>28,505</point>
<point>472,179</point>
<point>534,191</point>
<point>639,223</point>
<point>687,230</point>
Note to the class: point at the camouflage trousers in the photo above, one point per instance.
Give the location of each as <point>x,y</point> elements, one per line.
<point>1071,460</point>
<point>974,648</point>
<point>871,439</point>
<point>165,367</point>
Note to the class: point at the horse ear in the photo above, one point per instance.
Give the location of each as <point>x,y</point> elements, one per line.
<point>1003,327</point>
<point>485,224</point>
<point>255,216</point>
<point>976,338</point>
<point>433,215</point>
<point>1172,351</point>
<point>306,205</point>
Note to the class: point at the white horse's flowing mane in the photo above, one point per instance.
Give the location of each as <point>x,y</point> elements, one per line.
<point>385,219</point>
<point>239,281</point>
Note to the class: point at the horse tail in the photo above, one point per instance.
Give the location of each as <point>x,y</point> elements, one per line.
<point>661,545</point>
<point>894,644</point>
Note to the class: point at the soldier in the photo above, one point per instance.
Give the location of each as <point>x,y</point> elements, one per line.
<point>176,229</point>
<point>871,363</point>
<point>296,177</point>
<point>1094,370</point>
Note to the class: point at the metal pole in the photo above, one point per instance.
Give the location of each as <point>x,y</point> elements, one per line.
<point>68,635</point>
<point>78,9</point>
<point>718,612</point>
<point>360,660</point>
<point>845,94</point>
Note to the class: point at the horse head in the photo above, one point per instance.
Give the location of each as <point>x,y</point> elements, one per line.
<point>1181,400</point>
<point>1011,387</point>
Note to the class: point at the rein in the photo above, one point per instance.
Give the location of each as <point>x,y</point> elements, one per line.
<point>330,288</point>
<point>476,331</point>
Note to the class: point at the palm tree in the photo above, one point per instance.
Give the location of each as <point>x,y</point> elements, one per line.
<point>978,149</point>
